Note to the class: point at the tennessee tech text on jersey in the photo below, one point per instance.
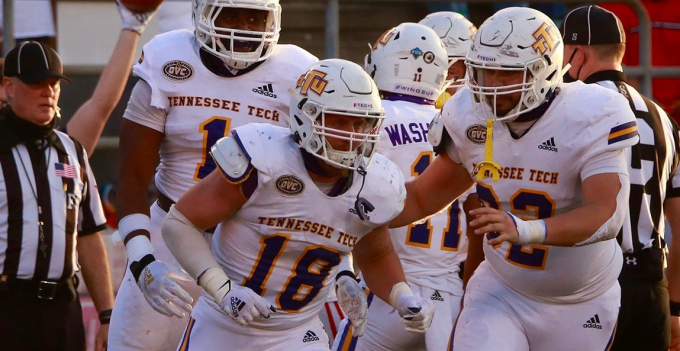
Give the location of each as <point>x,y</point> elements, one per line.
<point>295,233</point>
<point>542,177</point>
<point>199,112</point>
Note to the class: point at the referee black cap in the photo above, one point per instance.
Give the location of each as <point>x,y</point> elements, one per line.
<point>33,62</point>
<point>592,25</point>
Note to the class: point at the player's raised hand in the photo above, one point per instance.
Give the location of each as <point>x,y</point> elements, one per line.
<point>158,282</point>
<point>134,21</point>
<point>416,312</point>
<point>353,302</point>
<point>243,305</point>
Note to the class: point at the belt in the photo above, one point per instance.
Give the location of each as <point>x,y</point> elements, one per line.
<point>164,203</point>
<point>42,289</point>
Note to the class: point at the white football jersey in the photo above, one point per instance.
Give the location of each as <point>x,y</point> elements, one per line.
<point>427,250</point>
<point>286,241</point>
<point>201,107</point>
<point>542,175</point>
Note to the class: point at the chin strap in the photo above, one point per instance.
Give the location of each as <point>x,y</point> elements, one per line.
<point>488,164</point>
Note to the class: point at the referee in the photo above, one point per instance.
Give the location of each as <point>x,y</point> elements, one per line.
<point>595,43</point>
<point>50,214</point>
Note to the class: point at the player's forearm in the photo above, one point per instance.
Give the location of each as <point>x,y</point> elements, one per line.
<point>88,122</point>
<point>672,209</point>
<point>138,153</point>
<point>378,262</point>
<point>475,254</point>
<point>382,274</point>
<point>94,263</point>
<point>578,225</point>
<point>600,218</point>
<point>441,183</point>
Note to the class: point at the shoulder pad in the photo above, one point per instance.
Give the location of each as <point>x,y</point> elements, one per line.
<point>437,134</point>
<point>231,158</point>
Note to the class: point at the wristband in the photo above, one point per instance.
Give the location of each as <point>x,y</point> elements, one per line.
<point>136,246</point>
<point>396,291</point>
<point>530,232</point>
<point>105,316</point>
<point>131,223</point>
<point>347,273</point>
<point>136,267</point>
<point>215,282</point>
<point>675,308</point>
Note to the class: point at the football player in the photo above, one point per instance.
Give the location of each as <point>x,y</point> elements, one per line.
<point>457,33</point>
<point>193,89</point>
<point>427,250</point>
<point>290,204</point>
<point>550,168</point>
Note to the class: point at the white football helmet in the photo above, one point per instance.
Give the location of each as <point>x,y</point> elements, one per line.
<point>336,86</point>
<point>457,34</point>
<point>515,39</point>
<point>221,41</point>
<point>409,59</point>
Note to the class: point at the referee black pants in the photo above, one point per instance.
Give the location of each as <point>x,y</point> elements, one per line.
<point>644,322</point>
<point>31,324</point>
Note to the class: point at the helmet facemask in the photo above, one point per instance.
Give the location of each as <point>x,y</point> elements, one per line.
<point>521,40</point>
<point>238,48</point>
<point>329,92</point>
<point>489,95</point>
<point>361,142</point>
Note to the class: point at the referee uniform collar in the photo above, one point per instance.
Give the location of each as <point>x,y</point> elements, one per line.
<point>11,136</point>
<point>612,74</point>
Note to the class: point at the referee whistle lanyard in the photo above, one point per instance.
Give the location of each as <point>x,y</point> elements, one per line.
<point>40,146</point>
<point>488,164</point>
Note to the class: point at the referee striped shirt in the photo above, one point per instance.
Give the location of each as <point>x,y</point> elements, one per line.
<point>653,166</point>
<point>55,179</point>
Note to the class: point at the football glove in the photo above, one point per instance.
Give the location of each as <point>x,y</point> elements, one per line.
<point>132,20</point>
<point>158,282</point>
<point>352,300</point>
<point>242,304</point>
<point>416,312</point>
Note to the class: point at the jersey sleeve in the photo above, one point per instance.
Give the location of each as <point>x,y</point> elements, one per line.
<point>611,128</point>
<point>147,67</point>
<point>140,111</point>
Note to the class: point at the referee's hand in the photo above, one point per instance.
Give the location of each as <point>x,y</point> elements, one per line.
<point>158,282</point>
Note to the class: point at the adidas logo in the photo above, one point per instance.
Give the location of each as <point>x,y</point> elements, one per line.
<point>593,322</point>
<point>548,145</point>
<point>436,296</point>
<point>310,336</point>
<point>266,90</point>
